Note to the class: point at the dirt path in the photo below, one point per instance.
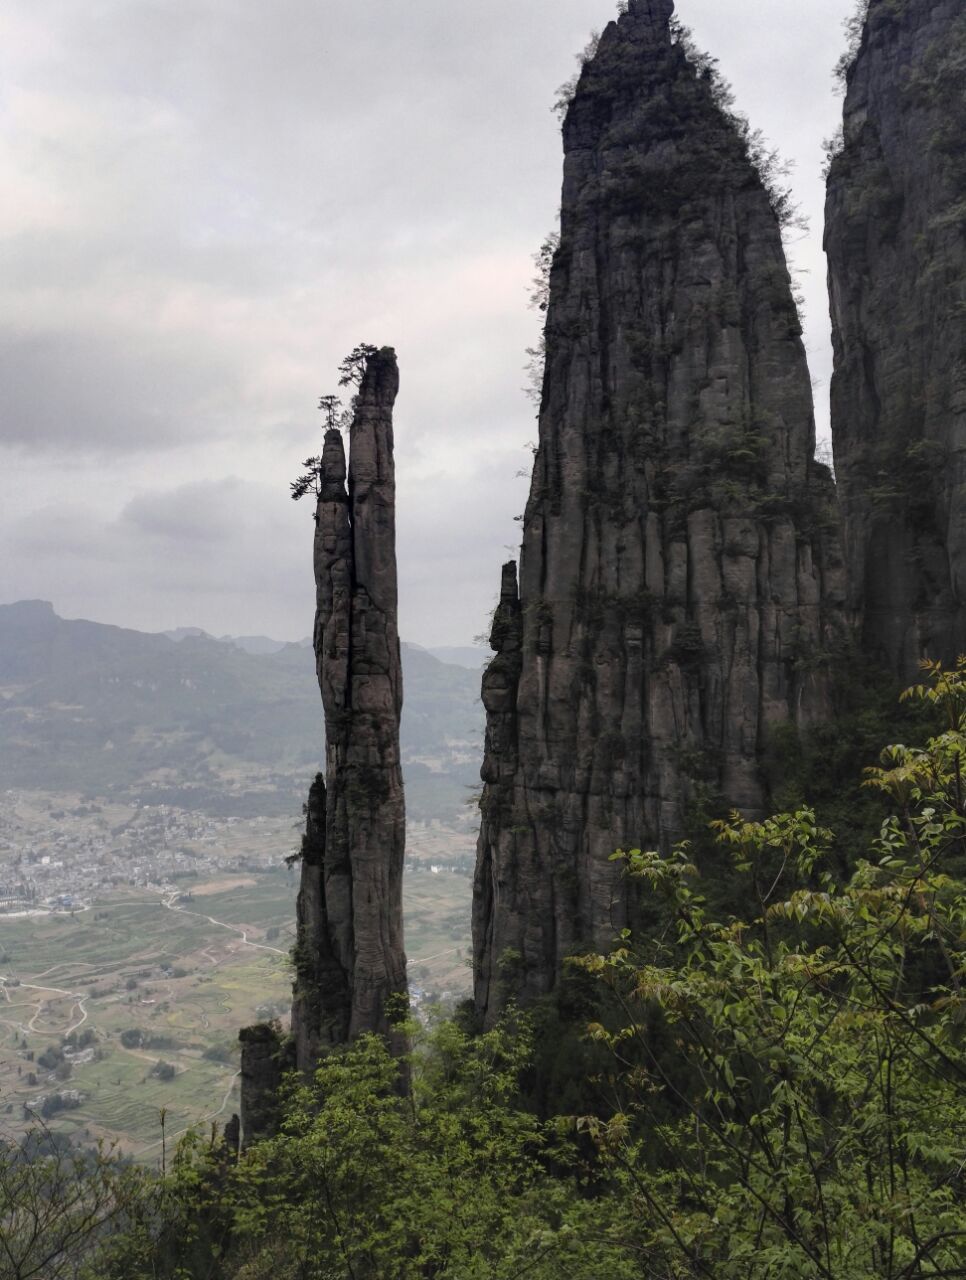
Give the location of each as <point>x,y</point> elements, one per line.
<point>438,956</point>
<point>79,1001</point>
<point>79,1006</point>
<point>68,964</point>
<point>234,928</point>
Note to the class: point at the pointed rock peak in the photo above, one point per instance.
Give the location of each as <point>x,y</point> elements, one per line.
<point>672,342</point>
<point>349,939</point>
<point>380,383</point>
<point>655,14</point>
<point>333,448</point>
<point>642,22</point>
<point>506,632</point>
<point>629,50</point>
<point>333,467</point>
<point>509,591</point>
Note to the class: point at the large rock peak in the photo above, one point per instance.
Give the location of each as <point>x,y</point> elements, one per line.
<point>679,577</point>
<point>897,261</point>
<point>654,13</point>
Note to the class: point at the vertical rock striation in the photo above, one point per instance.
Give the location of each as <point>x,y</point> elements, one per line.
<point>896,243</point>
<point>349,949</point>
<point>679,574</point>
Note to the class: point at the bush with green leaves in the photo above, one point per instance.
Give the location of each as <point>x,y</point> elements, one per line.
<point>805,1114</point>
<point>59,1205</point>
<point>451,1178</point>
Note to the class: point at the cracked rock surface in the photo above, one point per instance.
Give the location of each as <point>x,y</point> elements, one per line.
<point>896,243</point>
<point>680,576</point>
<point>349,950</point>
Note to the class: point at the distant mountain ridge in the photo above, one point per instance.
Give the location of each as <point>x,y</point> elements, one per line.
<point>472,657</point>
<point>229,725</point>
<point>469,656</point>
<point>258,646</point>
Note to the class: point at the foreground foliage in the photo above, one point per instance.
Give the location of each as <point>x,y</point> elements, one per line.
<point>793,1085</point>
<point>59,1204</point>
<point>453,1180</point>
<point>785,1098</point>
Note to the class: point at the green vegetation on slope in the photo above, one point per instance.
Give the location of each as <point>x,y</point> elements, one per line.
<point>147,982</point>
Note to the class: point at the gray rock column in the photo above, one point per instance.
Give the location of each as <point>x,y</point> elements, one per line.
<point>266,1055</point>
<point>680,576</point>
<point>896,243</point>
<point>349,953</point>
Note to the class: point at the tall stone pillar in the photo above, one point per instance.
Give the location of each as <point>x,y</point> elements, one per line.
<point>349,957</point>
<point>349,952</point>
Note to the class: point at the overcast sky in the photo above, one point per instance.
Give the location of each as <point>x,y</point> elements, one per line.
<point>206,203</point>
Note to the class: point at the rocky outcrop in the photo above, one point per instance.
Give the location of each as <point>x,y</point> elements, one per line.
<point>680,577</point>
<point>896,243</point>
<point>349,948</point>
<point>266,1055</point>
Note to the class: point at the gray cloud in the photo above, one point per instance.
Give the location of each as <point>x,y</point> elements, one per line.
<point>207,204</point>
<point>115,390</point>
<point>213,546</point>
<point>221,553</point>
<point>203,514</point>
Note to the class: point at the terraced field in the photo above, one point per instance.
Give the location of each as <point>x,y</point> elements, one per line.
<point>170,981</point>
<point>437,919</point>
<point>174,984</point>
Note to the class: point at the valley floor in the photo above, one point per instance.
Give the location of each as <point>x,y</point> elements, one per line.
<point>129,998</point>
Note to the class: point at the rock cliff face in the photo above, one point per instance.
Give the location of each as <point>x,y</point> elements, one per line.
<point>896,242</point>
<point>349,949</point>
<point>680,577</point>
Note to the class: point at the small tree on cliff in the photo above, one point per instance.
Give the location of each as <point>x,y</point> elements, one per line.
<point>353,368</point>
<point>854,27</point>
<point>334,417</point>
<point>540,301</point>
<point>310,481</point>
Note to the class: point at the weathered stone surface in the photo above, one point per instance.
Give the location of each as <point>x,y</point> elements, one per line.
<point>680,576</point>
<point>232,1137</point>
<point>896,218</point>
<point>349,950</point>
<point>265,1057</point>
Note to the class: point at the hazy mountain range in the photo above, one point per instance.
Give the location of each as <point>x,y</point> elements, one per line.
<point>229,725</point>
<point>458,655</point>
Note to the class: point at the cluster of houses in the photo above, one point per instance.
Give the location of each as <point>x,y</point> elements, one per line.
<point>64,859</point>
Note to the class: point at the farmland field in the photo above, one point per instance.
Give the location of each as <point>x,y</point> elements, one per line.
<point>165,982</point>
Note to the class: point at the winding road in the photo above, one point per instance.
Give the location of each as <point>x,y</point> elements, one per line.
<point>78,999</point>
